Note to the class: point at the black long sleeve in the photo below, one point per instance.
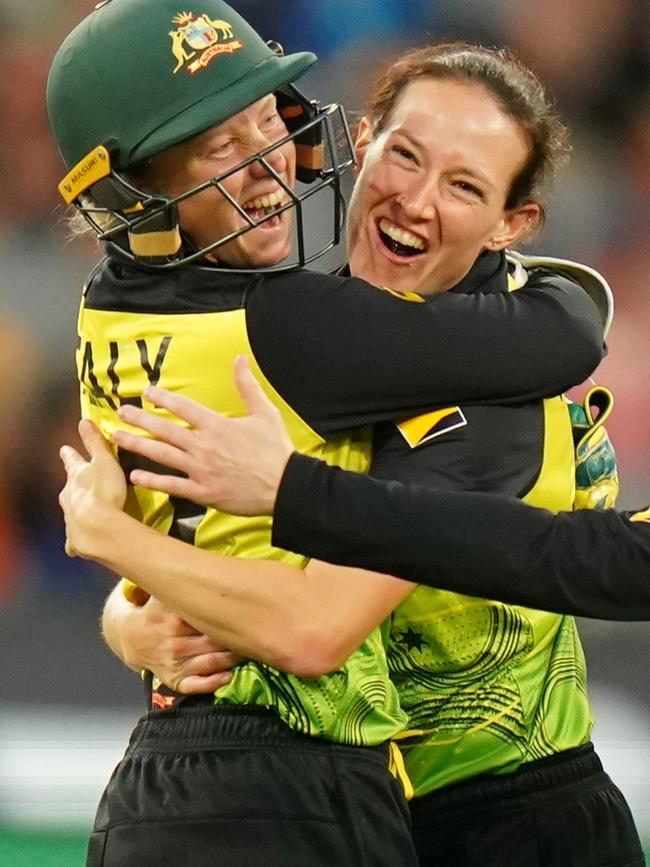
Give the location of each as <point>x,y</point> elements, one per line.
<point>592,564</point>
<point>344,353</point>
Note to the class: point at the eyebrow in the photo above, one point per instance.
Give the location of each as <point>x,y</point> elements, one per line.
<point>206,136</point>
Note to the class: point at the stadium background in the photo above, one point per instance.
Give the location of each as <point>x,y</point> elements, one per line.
<point>65,705</point>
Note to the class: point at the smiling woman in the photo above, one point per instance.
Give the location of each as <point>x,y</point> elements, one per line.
<point>433,210</point>
<point>456,146</point>
<point>213,213</point>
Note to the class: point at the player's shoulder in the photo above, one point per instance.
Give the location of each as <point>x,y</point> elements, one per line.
<point>297,280</point>
<point>526,268</point>
<point>316,290</point>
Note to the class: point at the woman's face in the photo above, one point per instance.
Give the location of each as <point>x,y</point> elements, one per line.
<point>432,188</point>
<point>209,216</point>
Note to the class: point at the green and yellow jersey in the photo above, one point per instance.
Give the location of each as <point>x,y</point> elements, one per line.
<point>321,347</point>
<point>487,686</point>
<point>120,353</point>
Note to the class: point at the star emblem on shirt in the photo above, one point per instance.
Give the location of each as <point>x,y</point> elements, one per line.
<point>411,639</point>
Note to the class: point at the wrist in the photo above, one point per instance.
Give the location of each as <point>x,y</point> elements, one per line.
<point>96,531</point>
<point>120,622</point>
<point>276,485</point>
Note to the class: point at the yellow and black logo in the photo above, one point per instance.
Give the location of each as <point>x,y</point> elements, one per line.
<point>405,296</point>
<point>424,428</point>
<point>196,42</point>
<point>92,168</point>
<point>641,517</point>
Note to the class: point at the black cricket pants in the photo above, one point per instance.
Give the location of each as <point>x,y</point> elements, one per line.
<point>205,786</point>
<point>561,811</point>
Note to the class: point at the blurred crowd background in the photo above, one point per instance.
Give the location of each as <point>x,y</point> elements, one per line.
<point>594,56</point>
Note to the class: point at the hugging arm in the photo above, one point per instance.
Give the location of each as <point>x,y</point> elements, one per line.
<point>335,350</point>
<point>152,637</point>
<point>304,621</point>
<point>588,563</point>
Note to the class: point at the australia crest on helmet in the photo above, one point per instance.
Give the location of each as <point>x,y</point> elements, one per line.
<point>198,40</point>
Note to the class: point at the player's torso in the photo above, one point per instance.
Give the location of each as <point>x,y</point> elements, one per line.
<point>486,685</point>
<point>188,345</point>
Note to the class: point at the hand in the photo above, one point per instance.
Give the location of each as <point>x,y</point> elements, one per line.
<point>91,486</point>
<point>154,638</point>
<point>233,464</point>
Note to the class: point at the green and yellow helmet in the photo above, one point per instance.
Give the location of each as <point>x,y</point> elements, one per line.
<point>138,76</point>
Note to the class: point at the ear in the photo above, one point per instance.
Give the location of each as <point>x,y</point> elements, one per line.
<point>365,132</point>
<point>514,225</point>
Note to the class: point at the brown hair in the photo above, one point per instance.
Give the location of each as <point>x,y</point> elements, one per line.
<point>516,89</point>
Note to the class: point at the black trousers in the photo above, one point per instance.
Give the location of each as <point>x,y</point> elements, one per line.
<point>204,787</point>
<point>563,811</point>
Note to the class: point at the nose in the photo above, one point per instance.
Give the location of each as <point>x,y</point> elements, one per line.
<point>275,158</point>
<point>418,201</point>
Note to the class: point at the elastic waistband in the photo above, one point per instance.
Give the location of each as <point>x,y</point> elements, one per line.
<point>219,727</point>
<point>579,766</point>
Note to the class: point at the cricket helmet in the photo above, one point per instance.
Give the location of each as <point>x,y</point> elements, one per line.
<point>136,77</point>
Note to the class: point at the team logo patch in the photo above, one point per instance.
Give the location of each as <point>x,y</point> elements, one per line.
<point>424,428</point>
<point>196,42</point>
<point>641,517</point>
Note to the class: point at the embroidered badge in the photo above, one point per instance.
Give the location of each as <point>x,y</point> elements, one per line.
<point>196,42</point>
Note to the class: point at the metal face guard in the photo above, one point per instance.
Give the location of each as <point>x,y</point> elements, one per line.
<point>144,227</point>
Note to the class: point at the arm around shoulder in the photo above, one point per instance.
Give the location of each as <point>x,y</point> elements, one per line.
<point>322,351</point>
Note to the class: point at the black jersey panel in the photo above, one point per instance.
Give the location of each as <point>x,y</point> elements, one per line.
<point>497,448</point>
<point>116,285</point>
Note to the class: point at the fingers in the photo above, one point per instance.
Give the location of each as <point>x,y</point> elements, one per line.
<point>158,427</point>
<point>202,673</point>
<point>70,458</point>
<point>94,441</point>
<point>175,486</point>
<point>249,388</point>
<point>212,663</point>
<point>159,452</point>
<point>200,685</point>
<point>184,407</point>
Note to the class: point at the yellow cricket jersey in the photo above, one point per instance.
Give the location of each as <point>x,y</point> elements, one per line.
<point>487,686</point>
<point>192,352</point>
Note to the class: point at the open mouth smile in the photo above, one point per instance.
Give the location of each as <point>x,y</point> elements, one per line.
<point>400,241</point>
<point>262,207</point>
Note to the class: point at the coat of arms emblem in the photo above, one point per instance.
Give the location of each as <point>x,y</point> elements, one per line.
<point>196,41</point>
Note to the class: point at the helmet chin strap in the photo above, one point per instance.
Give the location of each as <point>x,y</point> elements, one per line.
<point>158,238</point>
<point>99,190</point>
<point>296,111</point>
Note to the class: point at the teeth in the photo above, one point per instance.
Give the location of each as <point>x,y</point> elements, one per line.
<point>407,239</point>
<point>270,201</point>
